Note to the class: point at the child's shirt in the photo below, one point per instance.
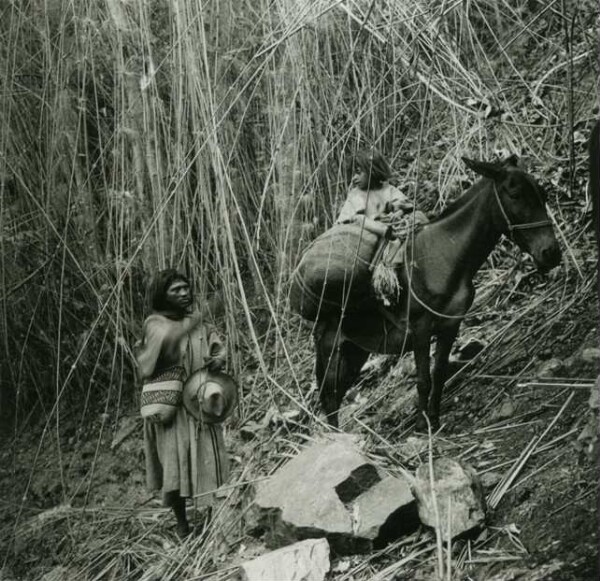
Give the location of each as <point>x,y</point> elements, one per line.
<point>372,203</point>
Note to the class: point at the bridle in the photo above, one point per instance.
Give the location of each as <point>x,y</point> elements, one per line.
<point>512,227</point>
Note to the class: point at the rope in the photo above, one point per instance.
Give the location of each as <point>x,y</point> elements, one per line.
<point>411,290</point>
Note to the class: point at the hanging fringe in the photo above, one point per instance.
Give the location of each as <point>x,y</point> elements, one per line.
<point>385,283</point>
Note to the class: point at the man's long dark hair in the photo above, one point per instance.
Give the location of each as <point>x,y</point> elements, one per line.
<point>374,169</point>
<point>157,290</point>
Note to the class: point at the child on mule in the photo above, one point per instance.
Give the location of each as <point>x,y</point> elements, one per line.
<point>372,198</point>
<point>376,205</point>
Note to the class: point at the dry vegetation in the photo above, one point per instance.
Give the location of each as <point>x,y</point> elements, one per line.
<point>217,137</point>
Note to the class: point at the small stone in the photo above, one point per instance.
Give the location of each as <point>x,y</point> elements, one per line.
<point>341,566</point>
<point>470,350</point>
<point>456,499</point>
<point>374,364</point>
<point>550,368</point>
<point>304,561</point>
<point>588,433</point>
<point>250,430</point>
<point>413,446</point>
<point>408,366</point>
<point>505,411</point>
<point>275,418</point>
<point>490,479</point>
<point>591,355</point>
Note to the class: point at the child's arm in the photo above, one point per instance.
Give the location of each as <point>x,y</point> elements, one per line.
<point>399,201</point>
<point>352,206</point>
<point>374,226</point>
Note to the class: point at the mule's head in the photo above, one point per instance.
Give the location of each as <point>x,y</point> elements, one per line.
<point>520,210</point>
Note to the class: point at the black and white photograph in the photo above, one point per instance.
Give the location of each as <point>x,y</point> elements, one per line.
<point>299,290</point>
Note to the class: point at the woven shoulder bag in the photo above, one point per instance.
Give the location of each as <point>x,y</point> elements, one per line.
<point>162,395</point>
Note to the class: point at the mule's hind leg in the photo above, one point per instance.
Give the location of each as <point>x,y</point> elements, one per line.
<point>327,345</point>
<point>337,366</point>
<point>444,341</point>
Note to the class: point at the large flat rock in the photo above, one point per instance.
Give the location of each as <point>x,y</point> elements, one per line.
<point>329,490</point>
<point>304,561</point>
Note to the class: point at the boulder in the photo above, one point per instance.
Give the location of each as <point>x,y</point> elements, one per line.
<point>304,561</point>
<point>457,494</point>
<point>324,492</point>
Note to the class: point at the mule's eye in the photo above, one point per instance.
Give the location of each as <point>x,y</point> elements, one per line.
<point>513,194</point>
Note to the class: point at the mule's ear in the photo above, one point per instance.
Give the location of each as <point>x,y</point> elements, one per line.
<point>485,168</point>
<point>511,161</point>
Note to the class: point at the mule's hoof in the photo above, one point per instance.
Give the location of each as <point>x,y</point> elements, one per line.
<point>332,420</point>
<point>421,424</point>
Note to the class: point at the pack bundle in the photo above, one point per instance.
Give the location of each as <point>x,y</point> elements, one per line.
<point>334,274</point>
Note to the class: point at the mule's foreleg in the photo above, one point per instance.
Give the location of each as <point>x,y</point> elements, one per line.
<point>444,341</point>
<point>325,345</point>
<point>421,348</point>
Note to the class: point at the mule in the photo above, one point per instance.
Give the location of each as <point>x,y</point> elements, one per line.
<point>437,281</point>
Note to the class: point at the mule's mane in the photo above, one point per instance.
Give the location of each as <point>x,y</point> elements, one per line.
<point>459,202</point>
<point>478,186</point>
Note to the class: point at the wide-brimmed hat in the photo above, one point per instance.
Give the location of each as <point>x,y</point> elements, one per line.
<point>210,395</point>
